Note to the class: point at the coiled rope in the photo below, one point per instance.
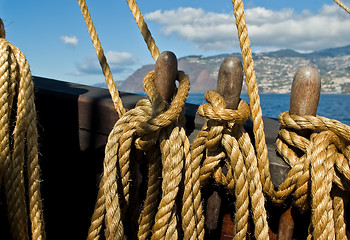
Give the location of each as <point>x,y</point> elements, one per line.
<point>19,139</point>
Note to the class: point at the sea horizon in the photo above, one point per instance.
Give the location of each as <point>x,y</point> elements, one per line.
<point>333,106</point>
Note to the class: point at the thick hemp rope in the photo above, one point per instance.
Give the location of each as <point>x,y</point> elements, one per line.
<point>243,167</point>
<point>140,21</point>
<point>217,140</point>
<point>149,117</point>
<point>19,143</point>
<point>191,209</point>
<point>342,5</point>
<point>322,173</point>
<point>325,162</point>
<point>118,104</point>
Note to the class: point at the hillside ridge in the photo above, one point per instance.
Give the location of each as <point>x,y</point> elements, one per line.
<point>274,70</point>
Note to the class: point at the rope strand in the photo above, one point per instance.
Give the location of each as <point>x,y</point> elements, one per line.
<point>118,104</point>
<point>22,150</point>
<point>147,36</point>
<point>342,5</point>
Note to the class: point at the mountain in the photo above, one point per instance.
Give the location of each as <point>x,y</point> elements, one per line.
<point>274,70</point>
<point>332,52</point>
<point>134,82</point>
<point>284,53</point>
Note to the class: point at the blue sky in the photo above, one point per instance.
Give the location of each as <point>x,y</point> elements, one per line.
<point>53,35</point>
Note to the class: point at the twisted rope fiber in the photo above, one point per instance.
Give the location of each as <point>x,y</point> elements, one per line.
<point>241,186</point>
<point>118,104</point>
<point>214,135</point>
<point>146,130</point>
<point>174,149</point>
<point>258,126</point>
<point>342,5</point>
<point>12,174</point>
<point>260,143</point>
<point>242,161</point>
<point>147,36</point>
<point>16,80</point>
<point>107,205</point>
<point>320,176</point>
<point>146,219</point>
<point>173,146</point>
<point>327,149</point>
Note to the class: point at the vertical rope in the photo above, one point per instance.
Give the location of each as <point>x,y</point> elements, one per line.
<point>21,150</point>
<point>5,74</point>
<point>31,134</point>
<point>118,104</point>
<point>146,219</point>
<point>166,222</point>
<point>241,186</point>
<point>258,125</point>
<point>12,164</point>
<point>339,202</point>
<point>192,210</point>
<point>147,36</point>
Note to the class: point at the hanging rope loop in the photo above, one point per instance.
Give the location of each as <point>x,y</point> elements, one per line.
<point>19,146</point>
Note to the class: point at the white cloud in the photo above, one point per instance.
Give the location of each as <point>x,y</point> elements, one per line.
<point>122,63</point>
<point>267,28</point>
<point>70,40</point>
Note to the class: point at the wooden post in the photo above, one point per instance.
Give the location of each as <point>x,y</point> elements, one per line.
<point>2,29</point>
<point>165,74</point>
<point>230,79</point>
<point>229,85</point>
<point>304,100</point>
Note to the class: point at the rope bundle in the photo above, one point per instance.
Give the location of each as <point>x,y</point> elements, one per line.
<point>153,133</point>
<point>19,143</point>
<point>150,122</point>
<point>320,177</point>
<point>223,138</point>
<point>222,141</point>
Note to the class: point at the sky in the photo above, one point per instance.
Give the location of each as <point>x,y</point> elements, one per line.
<point>53,35</point>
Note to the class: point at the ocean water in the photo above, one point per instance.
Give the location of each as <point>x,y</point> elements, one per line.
<point>334,106</point>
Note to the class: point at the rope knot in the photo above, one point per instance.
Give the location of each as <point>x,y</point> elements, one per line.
<point>323,161</point>
<point>162,114</point>
<point>216,110</point>
<point>219,117</point>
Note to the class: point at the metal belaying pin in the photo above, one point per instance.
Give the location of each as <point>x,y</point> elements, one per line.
<point>229,85</point>
<point>304,98</point>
